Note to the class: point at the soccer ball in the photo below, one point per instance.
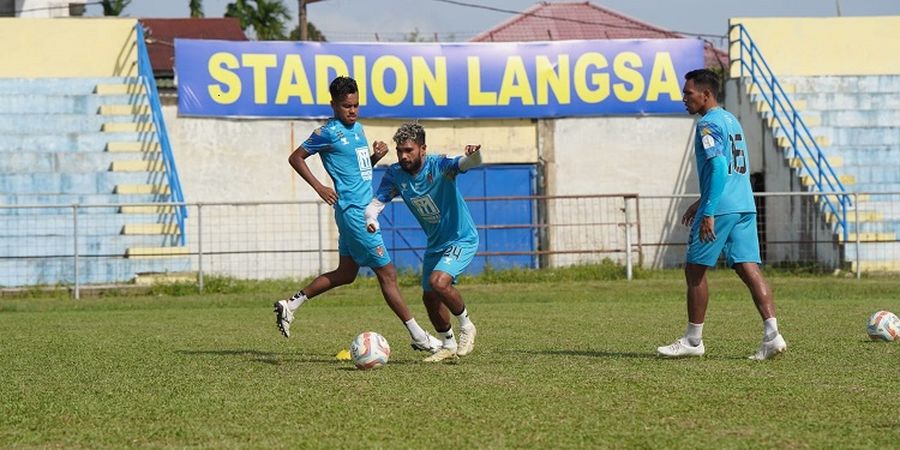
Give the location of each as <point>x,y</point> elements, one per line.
<point>883,326</point>
<point>370,350</point>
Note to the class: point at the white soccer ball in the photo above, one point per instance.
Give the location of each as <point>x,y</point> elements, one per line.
<point>883,326</point>
<point>370,350</point>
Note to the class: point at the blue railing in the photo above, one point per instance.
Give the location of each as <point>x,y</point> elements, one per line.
<point>145,70</point>
<point>803,145</point>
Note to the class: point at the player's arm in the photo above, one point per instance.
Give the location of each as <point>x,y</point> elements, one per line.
<point>471,158</point>
<point>713,140</point>
<point>387,190</point>
<point>298,162</point>
<point>379,150</point>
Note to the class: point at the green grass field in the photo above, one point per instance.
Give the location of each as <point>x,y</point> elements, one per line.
<point>557,364</point>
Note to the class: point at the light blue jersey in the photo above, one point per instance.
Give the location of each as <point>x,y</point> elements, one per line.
<point>719,135</point>
<point>434,199</point>
<point>345,155</point>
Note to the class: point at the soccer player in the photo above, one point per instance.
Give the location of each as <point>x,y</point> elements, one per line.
<point>427,184</point>
<point>723,219</point>
<point>342,145</point>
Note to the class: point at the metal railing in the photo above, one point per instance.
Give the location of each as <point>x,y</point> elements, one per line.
<point>803,146</point>
<point>145,70</point>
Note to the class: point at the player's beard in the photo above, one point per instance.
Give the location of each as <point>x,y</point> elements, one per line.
<point>413,166</point>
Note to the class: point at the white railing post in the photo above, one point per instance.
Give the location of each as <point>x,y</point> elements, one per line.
<point>628,261</point>
<point>77,292</point>
<point>200,246</point>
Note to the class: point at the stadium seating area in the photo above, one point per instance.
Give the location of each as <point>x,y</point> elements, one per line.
<point>85,141</point>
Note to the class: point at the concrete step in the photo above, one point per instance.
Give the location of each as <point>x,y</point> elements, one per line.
<point>138,165</point>
<point>51,271</point>
<point>876,187</point>
<point>109,223</point>
<point>74,183</point>
<point>30,124</point>
<point>880,251</point>
<point>120,89</point>
<point>155,252</point>
<point>58,86</point>
<point>64,104</point>
<point>851,136</point>
<point>109,245</point>
<point>844,84</point>
<point>73,162</point>
<point>886,265</point>
<point>124,147</point>
<point>124,110</point>
<point>65,200</point>
<point>71,142</point>
<point>142,189</point>
<point>863,154</point>
<point>887,173</point>
<point>129,127</point>
<point>860,118</point>
<point>844,101</point>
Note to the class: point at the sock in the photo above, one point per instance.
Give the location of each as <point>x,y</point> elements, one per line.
<point>694,333</point>
<point>297,300</point>
<point>415,331</point>
<point>448,338</point>
<point>770,329</point>
<point>464,318</point>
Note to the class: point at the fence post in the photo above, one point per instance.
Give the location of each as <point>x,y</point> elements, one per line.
<point>77,292</point>
<point>628,261</point>
<point>856,220</point>
<point>319,228</point>
<point>200,246</point>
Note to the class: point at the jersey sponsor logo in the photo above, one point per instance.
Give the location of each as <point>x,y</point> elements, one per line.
<point>426,209</point>
<point>364,162</point>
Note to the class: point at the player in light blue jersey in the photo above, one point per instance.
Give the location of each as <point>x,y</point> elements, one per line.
<point>724,219</point>
<point>342,145</point>
<point>427,184</point>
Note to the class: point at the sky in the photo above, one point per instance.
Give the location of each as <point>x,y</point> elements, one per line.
<point>361,20</point>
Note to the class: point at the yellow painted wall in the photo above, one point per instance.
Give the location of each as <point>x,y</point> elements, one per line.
<point>83,47</point>
<point>824,46</point>
<point>502,141</point>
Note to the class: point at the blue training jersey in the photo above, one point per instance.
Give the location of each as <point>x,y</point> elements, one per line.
<point>345,155</point>
<point>719,135</point>
<point>434,199</point>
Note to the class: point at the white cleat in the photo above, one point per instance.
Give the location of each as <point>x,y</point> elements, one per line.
<point>283,317</point>
<point>466,340</point>
<point>444,354</point>
<point>770,349</point>
<point>681,348</point>
<point>430,345</point>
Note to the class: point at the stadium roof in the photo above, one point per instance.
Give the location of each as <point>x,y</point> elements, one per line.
<point>561,21</point>
<point>161,34</point>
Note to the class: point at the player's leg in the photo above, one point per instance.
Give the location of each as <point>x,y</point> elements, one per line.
<point>344,274</point>
<point>387,280</point>
<point>742,253</point>
<point>452,262</point>
<point>700,256</point>
<point>440,318</point>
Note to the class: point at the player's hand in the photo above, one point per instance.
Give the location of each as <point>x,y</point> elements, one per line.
<point>379,149</point>
<point>688,218</point>
<point>327,194</point>
<point>472,149</point>
<point>708,229</point>
<point>371,228</point>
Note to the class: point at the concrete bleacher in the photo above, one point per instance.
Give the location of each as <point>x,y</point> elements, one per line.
<point>87,141</point>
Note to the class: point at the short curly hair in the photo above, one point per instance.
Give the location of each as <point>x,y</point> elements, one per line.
<point>341,87</point>
<point>410,131</point>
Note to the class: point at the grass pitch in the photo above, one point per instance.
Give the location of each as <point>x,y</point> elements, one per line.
<point>557,364</point>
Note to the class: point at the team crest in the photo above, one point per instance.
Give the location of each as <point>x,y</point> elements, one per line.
<point>379,250</point>
<point>430,178</point>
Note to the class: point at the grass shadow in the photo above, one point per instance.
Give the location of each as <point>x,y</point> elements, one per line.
<point>270,358</point>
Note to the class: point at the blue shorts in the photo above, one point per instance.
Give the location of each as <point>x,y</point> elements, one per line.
<point>453,260</point>
<point>735,235</point>
<point>366,249</point>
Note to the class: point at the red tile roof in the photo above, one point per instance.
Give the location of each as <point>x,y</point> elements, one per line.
<point>161,34</point>
<point>560,21</point>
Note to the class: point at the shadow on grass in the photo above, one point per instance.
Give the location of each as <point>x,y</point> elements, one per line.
<point>635,355</point>
<point>271,358</point>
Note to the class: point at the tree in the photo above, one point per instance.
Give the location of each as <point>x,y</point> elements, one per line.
<point>312,33</point>
<point>266,17</point>
<point>113,7</point>
<point>196,8</point>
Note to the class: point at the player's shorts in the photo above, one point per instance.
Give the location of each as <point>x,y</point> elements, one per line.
<point>453,260</point>
<point>366,249</point>
<point>735,235</point>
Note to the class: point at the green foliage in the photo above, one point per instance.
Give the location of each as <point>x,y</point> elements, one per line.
<point>114,7</point>
<point>266,17</point>
<point>312,33</point>
<point>196,7</point>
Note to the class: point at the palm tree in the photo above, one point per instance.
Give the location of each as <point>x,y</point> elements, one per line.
<point>267,17</point>
<point>196,8</point>
<point>113,7</point>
